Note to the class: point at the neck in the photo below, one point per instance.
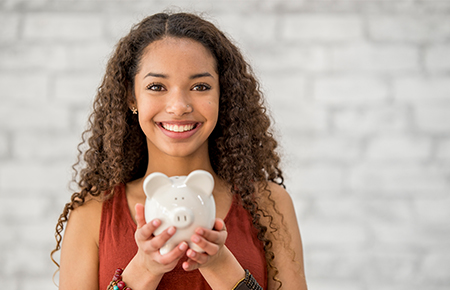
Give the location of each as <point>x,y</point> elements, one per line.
<point>178,166</point>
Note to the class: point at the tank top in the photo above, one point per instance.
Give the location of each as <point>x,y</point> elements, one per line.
<point>117,245</point>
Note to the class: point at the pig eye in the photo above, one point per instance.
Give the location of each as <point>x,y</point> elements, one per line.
<point>176,198</point>
<point>182,198</point>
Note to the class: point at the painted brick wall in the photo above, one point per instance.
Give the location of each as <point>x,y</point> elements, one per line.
<point>359,91</point>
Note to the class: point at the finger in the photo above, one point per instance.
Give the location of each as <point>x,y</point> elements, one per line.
<point>174,255</point>
<point>190,265</point>
<point>146,231</point>
<point>214,236</point>
<point>159,241</point>
<point>199,258</point>
<point>219,225</point>
<point>140,215</point>
<point>209,247</point>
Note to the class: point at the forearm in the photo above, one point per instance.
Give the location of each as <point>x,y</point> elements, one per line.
<point>137,277</point>
<point>224,275</point>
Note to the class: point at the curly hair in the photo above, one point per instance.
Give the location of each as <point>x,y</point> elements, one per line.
<point>241,146</point>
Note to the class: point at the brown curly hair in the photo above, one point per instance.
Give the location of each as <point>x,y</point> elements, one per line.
<point>241,147</point>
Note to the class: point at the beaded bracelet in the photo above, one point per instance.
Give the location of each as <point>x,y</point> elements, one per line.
<point>117,283</point>
<point>247,283</point>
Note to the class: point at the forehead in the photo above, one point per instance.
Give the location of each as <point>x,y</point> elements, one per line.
<point>177,54</point>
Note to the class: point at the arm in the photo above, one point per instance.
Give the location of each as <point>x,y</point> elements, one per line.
<point>287,243</point>
<point>147,268</point>
<point>221,269</point>
<point>79,250</point>
<point>217,265</point>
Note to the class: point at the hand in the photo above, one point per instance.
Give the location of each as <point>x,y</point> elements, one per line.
<point>149,245</point>
<point>211,241</point>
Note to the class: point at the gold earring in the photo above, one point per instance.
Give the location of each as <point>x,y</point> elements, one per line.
<point>134,110</point>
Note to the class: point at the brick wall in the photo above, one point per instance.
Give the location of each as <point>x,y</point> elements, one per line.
<point>359,91</point>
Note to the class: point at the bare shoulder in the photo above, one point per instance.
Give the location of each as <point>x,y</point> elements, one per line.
<point>91,208</point>
<point>286,239</point>
<point>277,202</point>
<point>79,251</point>
<point>275,198</point>
<point>87,218</point>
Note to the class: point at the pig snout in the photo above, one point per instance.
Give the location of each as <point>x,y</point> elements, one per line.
<point>182,217</point>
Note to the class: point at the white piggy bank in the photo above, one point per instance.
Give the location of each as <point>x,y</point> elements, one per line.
<point>185,202</point>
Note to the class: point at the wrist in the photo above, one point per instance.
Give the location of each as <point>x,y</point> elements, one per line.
<point>137,277</point>
<point>117,283</point>
<point>247,283</point>
<point>225,272</point>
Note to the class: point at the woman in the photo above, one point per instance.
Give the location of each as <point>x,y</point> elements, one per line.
<point>178,96</point>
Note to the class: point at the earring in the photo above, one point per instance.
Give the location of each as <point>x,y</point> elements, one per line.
<point>134,110</point>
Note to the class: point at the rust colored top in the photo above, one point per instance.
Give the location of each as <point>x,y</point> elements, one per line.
<point>117,245</point>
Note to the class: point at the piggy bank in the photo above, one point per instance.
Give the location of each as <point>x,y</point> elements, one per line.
<point>185,202</point>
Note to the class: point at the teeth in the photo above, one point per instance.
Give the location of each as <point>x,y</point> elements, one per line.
<point>177,128</point>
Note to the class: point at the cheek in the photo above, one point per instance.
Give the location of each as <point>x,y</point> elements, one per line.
<point>213,105</point>
<point>212,108</point>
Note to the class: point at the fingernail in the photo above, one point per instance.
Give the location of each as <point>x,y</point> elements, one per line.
<point>155,223</point>
<point>171,230</point>
<point>183,246</point>
<point>192,254</point>
<point>200,231</point>
<point>195,239</point>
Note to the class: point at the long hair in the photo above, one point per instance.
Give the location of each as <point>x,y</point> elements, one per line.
<point>241,147</point>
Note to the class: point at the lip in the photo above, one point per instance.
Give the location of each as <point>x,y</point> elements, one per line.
<point>179,135</point>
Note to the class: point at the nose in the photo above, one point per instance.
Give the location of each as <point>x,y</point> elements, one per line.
<point>178,103</point>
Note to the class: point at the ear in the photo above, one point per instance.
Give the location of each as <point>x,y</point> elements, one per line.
<point>201,180</point>
<point>155,181</point>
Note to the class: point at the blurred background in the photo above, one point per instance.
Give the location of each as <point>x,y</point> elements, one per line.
<point>359,92</point>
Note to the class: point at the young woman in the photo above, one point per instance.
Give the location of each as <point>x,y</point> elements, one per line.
<point>178,96</point>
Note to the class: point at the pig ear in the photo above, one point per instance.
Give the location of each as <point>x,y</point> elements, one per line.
<point>155,181</point>
<point>201,180</point>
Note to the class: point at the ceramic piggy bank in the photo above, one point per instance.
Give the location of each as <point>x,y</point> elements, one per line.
<point>185,202</point>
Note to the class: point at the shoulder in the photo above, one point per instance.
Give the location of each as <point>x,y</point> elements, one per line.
<point>274,197</point>
<point>285,235</point>
<point>86,217</point>
<point>79,250</point>
<point>278,208</point>
<point>92,206</point>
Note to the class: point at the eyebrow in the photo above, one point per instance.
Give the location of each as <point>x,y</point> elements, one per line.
<point>196,76</point>
<point>201,75</point>
<point>156,75</point>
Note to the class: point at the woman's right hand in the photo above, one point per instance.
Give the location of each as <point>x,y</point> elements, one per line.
<point>149,244</point>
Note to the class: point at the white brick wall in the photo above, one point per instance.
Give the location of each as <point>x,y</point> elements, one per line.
<point>344,91</point>
<point>322,27</point>
<point>53,26</point>
<point>360,95</point>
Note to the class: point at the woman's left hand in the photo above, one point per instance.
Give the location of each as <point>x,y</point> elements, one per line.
<point>211,241</point>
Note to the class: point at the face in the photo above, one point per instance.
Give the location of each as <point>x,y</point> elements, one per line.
<point>177,97</point>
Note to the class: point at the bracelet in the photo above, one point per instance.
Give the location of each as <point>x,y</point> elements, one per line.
<point>247,283</point>
<point>117,283</point>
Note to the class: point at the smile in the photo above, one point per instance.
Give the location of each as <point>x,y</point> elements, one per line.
<point>178,128</point>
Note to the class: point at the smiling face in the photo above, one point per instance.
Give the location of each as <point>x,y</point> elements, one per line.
<point>177,97</point>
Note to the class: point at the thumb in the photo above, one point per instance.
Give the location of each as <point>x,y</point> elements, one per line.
<point>140,215</point>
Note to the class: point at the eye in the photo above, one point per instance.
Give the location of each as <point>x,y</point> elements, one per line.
<point>201,87</point>
<point>155,87</point>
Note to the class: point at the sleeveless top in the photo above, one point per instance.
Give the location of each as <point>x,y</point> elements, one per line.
<point>117,245</point>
